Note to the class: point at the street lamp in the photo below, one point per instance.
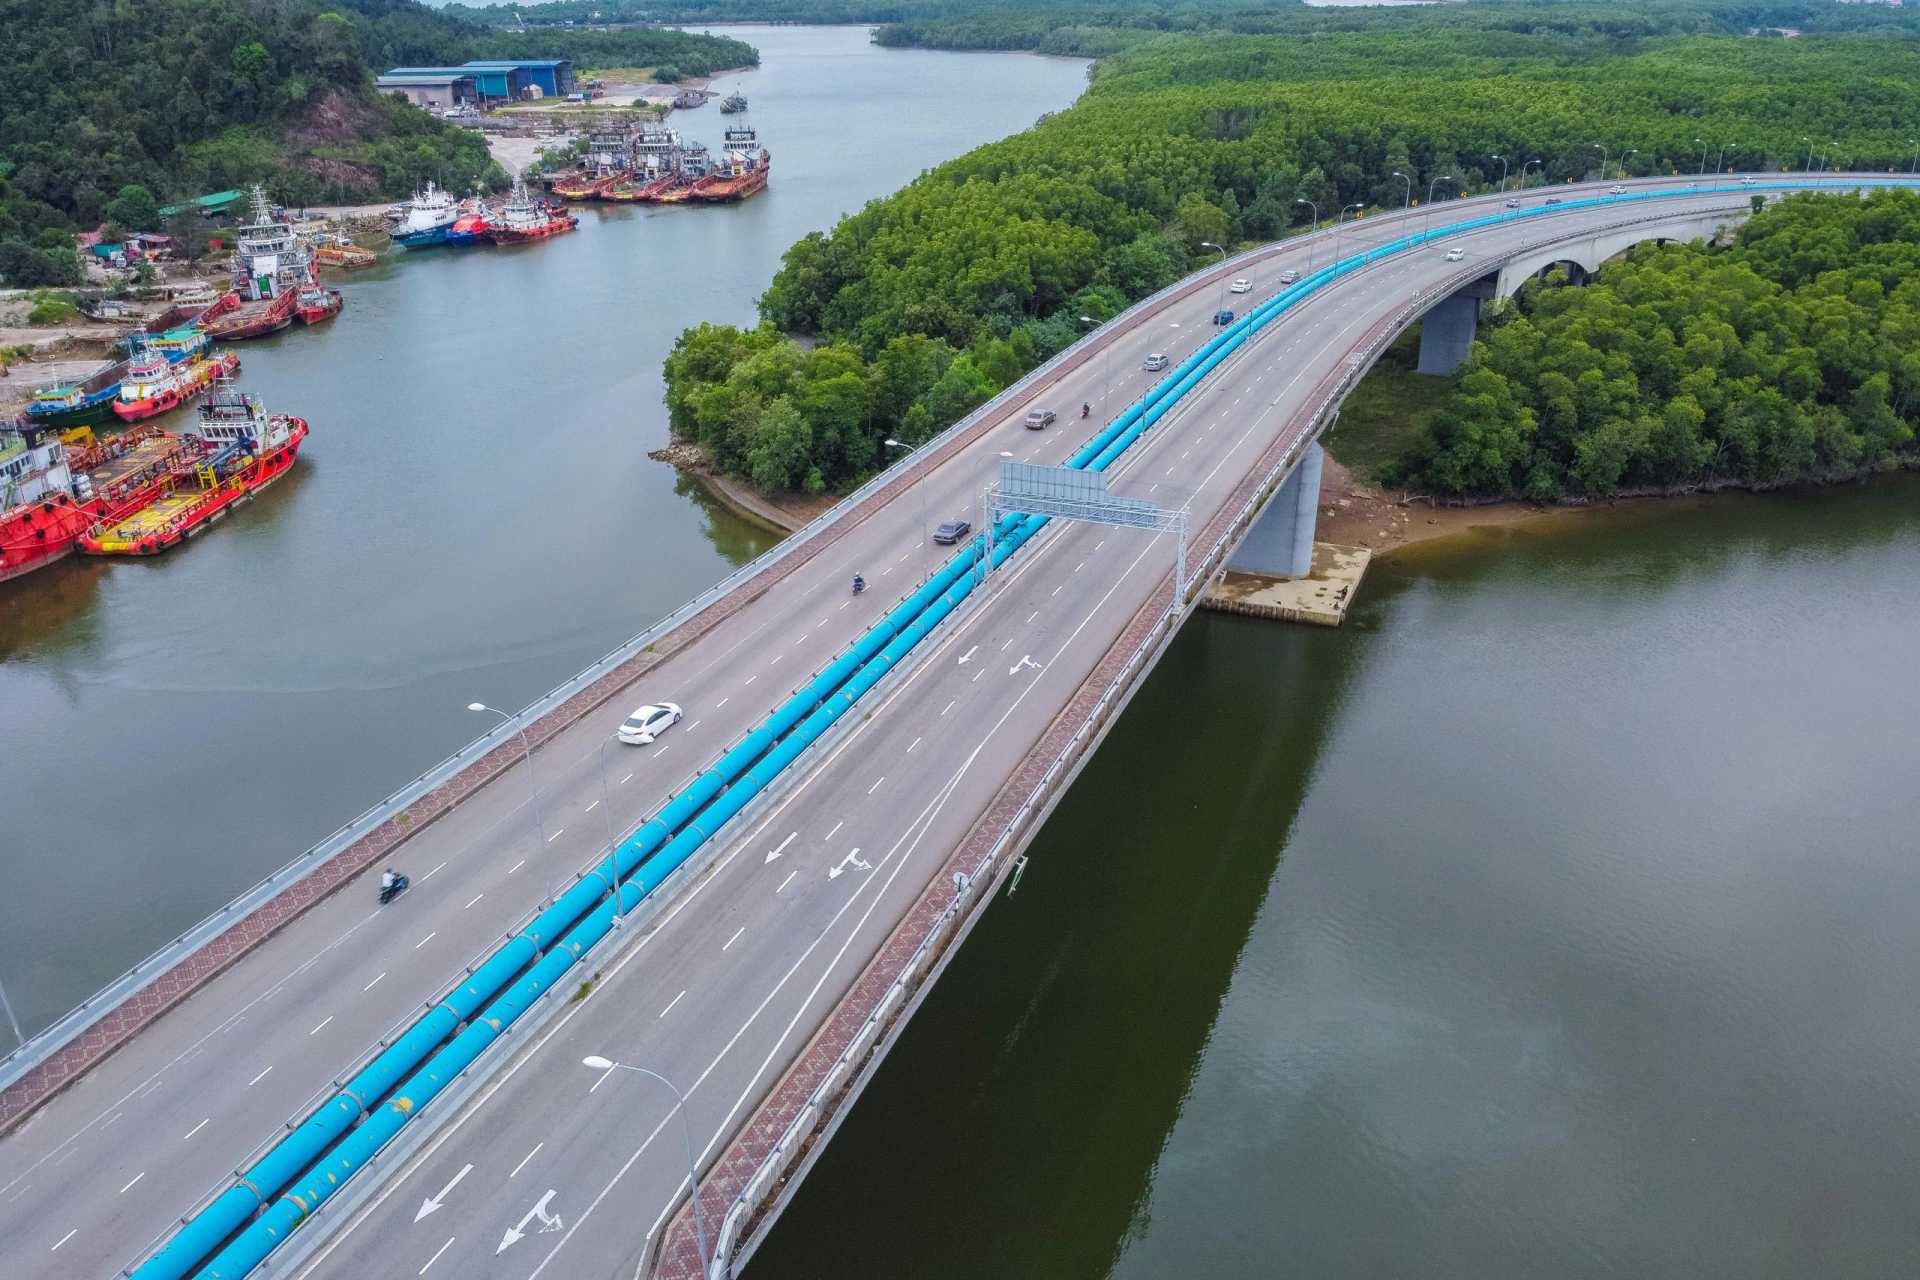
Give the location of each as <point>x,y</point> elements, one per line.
<point>1336,229</point>
<point>1522,184</point>
<point>1720,161</point>
<point>1408,202</point>
<point>1623,162</point>
<point>595,1062</point>
<point>1445,177</point>
<point>1809,141</point>
<point>533,786</point>
<point>920,494</point>
<point>1916,155</point>
<point>1603,159</point>
<point>12,1021</point>
<point>1316,223</point>
<point>1704,144</point>
<point>1503,172</point>
<point>1106,366</point>
<point>1221,300</point>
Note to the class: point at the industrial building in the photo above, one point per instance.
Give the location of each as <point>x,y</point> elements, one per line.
<point>553,77</point>
<point>439,88</point>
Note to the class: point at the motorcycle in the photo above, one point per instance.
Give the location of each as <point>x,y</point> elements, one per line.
<point>1085,410</point>
<point>392,890</point>
<point>859,584</point>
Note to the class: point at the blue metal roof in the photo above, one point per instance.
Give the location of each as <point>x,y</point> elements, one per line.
<point>464,73</point>
<point>518,62</point>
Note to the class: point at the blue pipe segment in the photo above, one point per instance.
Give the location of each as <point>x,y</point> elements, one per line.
<point>584,914</point>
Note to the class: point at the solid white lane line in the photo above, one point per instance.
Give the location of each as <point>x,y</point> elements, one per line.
<point>735,938</point>
<point>63,1239</point>
<point>257,1079</point>
<point>424,941</point>
<point>876,784</point>
<point>316,1031</point>
<point>430,874</point>
<point>376,982</point>
<point>787,881</point>
<point>948,707</point>
<point>516,866</point>
<point>476,897</point>
<point>916,742</point>
<point>197,1128</point>
<point>676,1000</point>
<point>523,1159</point>
<point>593,806</point>
<point>556,835</point>
<point>436,1255</point>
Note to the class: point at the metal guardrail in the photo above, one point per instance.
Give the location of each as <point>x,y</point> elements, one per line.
<point>793,1139</point>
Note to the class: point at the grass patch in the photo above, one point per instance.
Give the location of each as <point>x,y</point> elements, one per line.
<point>1387,410</point>
<point>625,75</point>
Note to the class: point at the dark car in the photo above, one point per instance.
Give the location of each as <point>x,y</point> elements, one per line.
<point>1553,199</point>
<point>951,532</point>
<point>1223,316</point>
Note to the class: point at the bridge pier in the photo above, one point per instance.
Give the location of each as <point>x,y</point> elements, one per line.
<point>1447,331</point>
<point>1280,543</point>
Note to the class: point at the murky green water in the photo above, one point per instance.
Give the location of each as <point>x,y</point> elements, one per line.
<point>1555,918</point>
<point>473,517</point>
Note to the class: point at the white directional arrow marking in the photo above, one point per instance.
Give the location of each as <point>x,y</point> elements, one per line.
<point>852,860</point>
<point>1026,660</point>
<point>434,1202</point>
<point>968,655</point>
<point>548,1222</point>
<point>774,853</point>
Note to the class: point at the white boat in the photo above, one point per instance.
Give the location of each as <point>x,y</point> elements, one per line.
<point>425,219</point>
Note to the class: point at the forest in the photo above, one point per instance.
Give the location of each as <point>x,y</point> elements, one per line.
<point>1791,355</point>
<point>934,298</point>
<point>180,97</point>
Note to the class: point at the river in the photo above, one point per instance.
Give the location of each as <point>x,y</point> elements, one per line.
<point>473,518</point>
<point>1554,918</point>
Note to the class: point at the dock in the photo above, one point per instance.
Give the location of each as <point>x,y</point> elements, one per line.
<point>1320,599</point>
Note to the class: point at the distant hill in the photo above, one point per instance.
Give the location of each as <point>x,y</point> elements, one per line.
<point>182,97</point>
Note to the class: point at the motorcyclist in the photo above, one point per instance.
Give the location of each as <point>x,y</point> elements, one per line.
<point>388,879</point>
<point>859,584</point>
<point>1085,409</point>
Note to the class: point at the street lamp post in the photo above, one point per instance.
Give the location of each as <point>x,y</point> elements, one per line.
<point>533,788</point>
<point>1445,177</point>
<point>1316,228</point>
<point>1809,141</point>
<point>1336,229</point>
<point>1220,301</point>
<point>1704,146</point>
<point>595,1062</point>
<point>1106,366</point>
<point>1408,202</point>
<point>1503,172</point>
<point>920,507</point>
<point>1522,184</point>
<point>1623,162</point>
<point>18,1038</point>
<point>1916,155</point>
<point>1603,159</point>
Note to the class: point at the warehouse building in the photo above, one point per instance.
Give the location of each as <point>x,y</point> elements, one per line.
<point>553,77</point>
<point>439,88</point>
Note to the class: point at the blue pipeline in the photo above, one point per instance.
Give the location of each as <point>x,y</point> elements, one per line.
<point>685,823</point>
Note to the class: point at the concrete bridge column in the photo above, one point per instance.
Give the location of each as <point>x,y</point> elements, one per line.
<point>1280,543</point>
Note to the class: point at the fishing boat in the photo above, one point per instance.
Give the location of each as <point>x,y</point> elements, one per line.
<point>234,450</point>
<point>54,486</point>
<point>318,304</point>
<point>154,386</point>
<point>270,268</point>
<point>78,404</point>
<point>733,103</point>
<point>425,219</point>
<point>522,219</point>
<point>742,171</point>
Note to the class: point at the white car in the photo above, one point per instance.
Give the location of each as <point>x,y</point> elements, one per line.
<point>1747,181</point>
<point>648,723</point>
<point>1456,253</point>
<point>1616,190</point>
<point>1242,285</point>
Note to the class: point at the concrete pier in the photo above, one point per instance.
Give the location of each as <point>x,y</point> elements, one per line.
<point>1280,543</point>
<point>1320,597</point>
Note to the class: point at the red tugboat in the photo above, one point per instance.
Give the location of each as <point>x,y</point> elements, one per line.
<point>522,220</point>
<point>153,385</point>
<point>318,304</point>
<point>742,171</point>
<point>55,491</point>
<point>270,269</point>
<point>234,450</point>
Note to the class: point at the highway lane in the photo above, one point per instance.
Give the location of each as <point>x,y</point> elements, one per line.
<point>722,995</point>
<point>112,1132</point>
<point>261,1043</point>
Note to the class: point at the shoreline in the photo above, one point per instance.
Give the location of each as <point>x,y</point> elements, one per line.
<point>780,515</point>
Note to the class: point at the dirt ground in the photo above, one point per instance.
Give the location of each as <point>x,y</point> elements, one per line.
<point>1360,515</point>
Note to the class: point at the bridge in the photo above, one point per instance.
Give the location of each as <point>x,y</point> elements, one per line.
<point>746,911</point>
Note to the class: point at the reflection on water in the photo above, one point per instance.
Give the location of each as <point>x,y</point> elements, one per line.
<point>1553,918</point>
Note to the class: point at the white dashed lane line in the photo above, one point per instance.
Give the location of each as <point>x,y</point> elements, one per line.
<point>257,1079</point>
<point>323,1022</point>
<point>476,897</point>
<point>136,1178</point>
<point>676,1000</point>
<point>735,938</point>
<point>197,1128</point>
<point>63,1239</point>
<point>424,941</point>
